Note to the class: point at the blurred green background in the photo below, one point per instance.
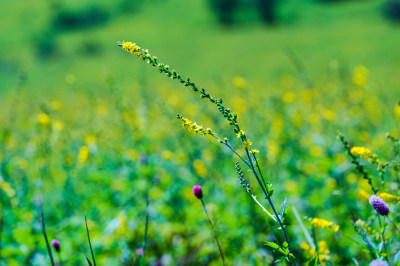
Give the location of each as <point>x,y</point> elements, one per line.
<point>87,127</point>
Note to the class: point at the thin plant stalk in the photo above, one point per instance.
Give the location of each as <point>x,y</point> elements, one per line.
<point>215,233</point>
<point>303,227</point>
<point>90,244</point>
<point>268,197</point>
<point>145,230</point>
<point>59,258</point>
<point>43,225</point>
<point>226,112</point>
<point>382,232</point>
<point>393,223</point>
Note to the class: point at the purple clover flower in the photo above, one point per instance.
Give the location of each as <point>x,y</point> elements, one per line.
<point>378,263</point>
<point>198,192</point>
<point>379,205</point>
<point>56,244</point>
<point>139,252</point>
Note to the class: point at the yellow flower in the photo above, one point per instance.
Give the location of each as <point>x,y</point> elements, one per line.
<point>132,48</point>
<point>247,144</point>
<point>56,105</point>
<point>83,155</point>
<point>240,133</point>
<point>318,222</point>
<point>200,168</point>
<point>388,198</point>
<point>239,82</point>
<point>254,151</point>
<point>58,125</point>
<point>360,75</point>
<point>363,195</point>
<point>361,151</point>
<point>44,119</point>
<point>322,249</point>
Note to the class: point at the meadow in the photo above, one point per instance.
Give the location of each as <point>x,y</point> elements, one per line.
<point>87,129</point>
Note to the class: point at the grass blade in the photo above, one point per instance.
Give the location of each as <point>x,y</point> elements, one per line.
<point>43,225</point>
<point>90,244</point>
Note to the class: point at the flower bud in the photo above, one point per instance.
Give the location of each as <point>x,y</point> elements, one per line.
<point>197,191</point>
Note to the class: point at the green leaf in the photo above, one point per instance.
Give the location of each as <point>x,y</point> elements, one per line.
<point>272,245</point>
<point>275,247</point>
<point>282,209</point>
<point>314,260</point>
<point>380,246</point>
<point>395,259</point>
<point>280,259</point>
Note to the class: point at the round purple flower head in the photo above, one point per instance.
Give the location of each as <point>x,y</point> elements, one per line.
<point>379,205</point>
<point>378,263</point>
<point>56,244</point>
<point>198,192</point>
<point>139,252</point>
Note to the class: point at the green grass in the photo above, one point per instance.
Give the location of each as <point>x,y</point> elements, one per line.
<point>351,32</point>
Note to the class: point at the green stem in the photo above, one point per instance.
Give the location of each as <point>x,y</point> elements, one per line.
<point>215,233</point>
<point>382,228</point>
<point>145,230</point>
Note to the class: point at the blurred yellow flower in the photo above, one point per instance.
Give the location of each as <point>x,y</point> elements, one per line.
<point>318,222</point>
<point>166,154</point>
<point>239,82</point>
<point>388,198</point>
<point>44,119</point>
<point>58,125</point>
<point>361,151</point>
<point>200,168</point>
<point>324,252</point>
<point>397,110</point>
<point>56,105</point>
<point>83,154</point>
<point>360,75</point>
<point>363,195</point>
<point>90,139</point>
<point>288,97</point>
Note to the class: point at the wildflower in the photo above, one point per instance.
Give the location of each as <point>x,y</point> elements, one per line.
<point>379,205</point>
<point>239,82</point>
<point>254,151</point>
<point>361,151</point>
<point>83,155</point>
<point>324,253</point>
<point>58,125</point>
<point>198,192</point>
<point>247,143</point>
<point>192,126</point>
<point>362,194</point>
<point>360,75</point>
<point>44,119</point>
<point>56,244</point>
<point>388,198</point>
<point>378,263</point>
<point>240,133</point>
<point>200,168</point>
<point>139,252</point>
<point>318,222</point>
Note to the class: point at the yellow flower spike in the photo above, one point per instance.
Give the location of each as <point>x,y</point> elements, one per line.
<point>361,152</point>
<point>240,133</point>
<point>318,222</point>
<point>304,246</point>
<point>247,144</point>
<point>388,198</point>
